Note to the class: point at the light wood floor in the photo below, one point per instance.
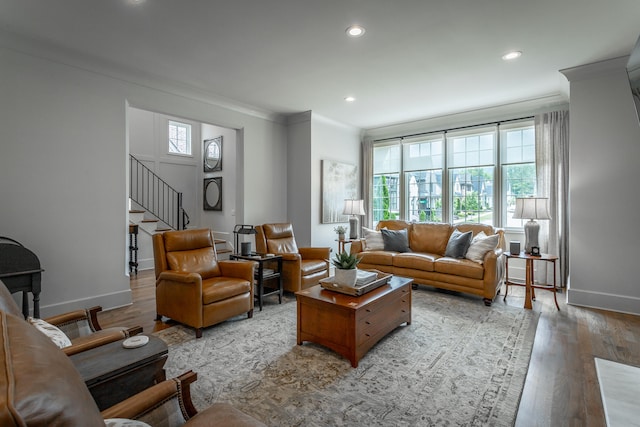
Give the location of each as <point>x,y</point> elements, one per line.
<point>561,387</point>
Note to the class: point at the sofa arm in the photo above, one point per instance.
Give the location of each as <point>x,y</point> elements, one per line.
<point>357,246</point>
<point>315,253</point>
<point>94,340</point>
<point>85,321</point>
<point>168,400</point>
<point>238,269</point>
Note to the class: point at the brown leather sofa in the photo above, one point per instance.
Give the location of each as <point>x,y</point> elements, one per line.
<point>301,267</point>
<point>80,326</point>
<point>40,387</point>
<point>426,264</point>
<point>192,286</point>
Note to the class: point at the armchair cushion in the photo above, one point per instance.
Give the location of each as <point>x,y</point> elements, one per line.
<point>200,261</point>
<point>221,288</point>
<point>311,266</point>
<point>53,333</point>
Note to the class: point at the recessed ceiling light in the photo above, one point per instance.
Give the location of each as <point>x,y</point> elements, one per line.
<point>349,99</point>
<point>355,31</point>
<point>512,55</point>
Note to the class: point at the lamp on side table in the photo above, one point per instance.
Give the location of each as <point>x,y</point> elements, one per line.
<point>531,208</point>
<point>353,207</point>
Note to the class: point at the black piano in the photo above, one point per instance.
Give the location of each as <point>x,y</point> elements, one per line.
<point>20,271</point>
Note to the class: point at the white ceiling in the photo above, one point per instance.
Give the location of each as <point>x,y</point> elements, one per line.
<point>418,58</point>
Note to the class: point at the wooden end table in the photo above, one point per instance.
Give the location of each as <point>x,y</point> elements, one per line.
<point>351,325</point>
<point>263,275</point>
<point>113,373</point>
<point>529,281</point>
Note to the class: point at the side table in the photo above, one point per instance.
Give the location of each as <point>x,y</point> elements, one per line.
<point>342,244</point>
<point>262,275</point>
<point>529,280</point>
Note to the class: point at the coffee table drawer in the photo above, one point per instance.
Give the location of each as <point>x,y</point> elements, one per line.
<point>385,318</point>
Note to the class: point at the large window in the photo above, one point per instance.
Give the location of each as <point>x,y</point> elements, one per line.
<point>179,138</point>
<point>472,175</point>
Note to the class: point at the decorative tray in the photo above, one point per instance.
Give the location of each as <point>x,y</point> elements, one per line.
<point>383,279</point>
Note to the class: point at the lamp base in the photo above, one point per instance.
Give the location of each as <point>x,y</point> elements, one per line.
<point>353,228</point>
<point>531,231</point>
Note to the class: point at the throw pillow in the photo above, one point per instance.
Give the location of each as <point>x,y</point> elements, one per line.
<point>480,245</point>
<point>395,240</point>
<point>458,244</point>
<point>372,240</point>
<point>56,335</point>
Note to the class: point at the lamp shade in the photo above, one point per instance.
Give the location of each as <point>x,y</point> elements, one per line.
<point>353,207</point>
<point>532,208</point>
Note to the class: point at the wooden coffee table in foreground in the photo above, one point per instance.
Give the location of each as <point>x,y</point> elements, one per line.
<point>350,325</point>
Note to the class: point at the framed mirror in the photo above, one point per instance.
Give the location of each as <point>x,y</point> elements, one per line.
<point>213,154</point>
<point>212,196</point>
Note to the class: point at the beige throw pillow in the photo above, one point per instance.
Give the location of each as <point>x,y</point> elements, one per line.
<point>372,240</point>
<point>56,335</point>
<point>480,245</point>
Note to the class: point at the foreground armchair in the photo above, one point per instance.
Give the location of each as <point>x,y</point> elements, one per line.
<point>192,286</point>
<point>81,327</point>
<point>301,267</point>
<point>39,386</point>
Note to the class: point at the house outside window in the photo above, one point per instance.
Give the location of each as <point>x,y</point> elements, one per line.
<point>179,138</point>
<point>471,175</point>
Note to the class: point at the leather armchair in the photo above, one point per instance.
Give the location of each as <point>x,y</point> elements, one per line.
<point>39,386</point>
<point>301,267</point>
<point>80,326</point>
<point>192,286</point>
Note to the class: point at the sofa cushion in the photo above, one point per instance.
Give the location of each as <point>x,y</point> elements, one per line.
<point>372,240</point>
<point>459,267</point>
<point>480,245</point>
<point>429,237</point>
<point>395,240</point>
<point>458,244</point>
<point>415,260</point>
<point>376,257</point>
<point>201,261</point>
<point>221,288</point>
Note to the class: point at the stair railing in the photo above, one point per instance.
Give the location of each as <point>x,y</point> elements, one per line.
<point>156,196</point>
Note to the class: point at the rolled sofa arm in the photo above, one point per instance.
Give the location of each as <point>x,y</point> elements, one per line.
<point>168,400</point>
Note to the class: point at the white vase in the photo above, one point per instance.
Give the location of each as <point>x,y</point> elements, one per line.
<point>346,277</point>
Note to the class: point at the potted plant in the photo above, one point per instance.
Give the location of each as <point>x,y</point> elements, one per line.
<point>346,271</point>
<point>341,230</point>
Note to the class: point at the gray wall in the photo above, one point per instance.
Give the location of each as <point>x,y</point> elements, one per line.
<point>63,167</point>
<point>604,201</point>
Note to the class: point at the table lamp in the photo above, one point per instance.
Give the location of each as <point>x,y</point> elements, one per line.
<point>531,208</point>
<point>244,229</point>
<point>353,207</point>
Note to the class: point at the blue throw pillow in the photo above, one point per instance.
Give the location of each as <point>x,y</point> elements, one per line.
<point>458,244</point>
<point>395,240</point>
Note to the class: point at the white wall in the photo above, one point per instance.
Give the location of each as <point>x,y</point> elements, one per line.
<point>63,167</point>
<point>604,203</point>
<point>299,162</point>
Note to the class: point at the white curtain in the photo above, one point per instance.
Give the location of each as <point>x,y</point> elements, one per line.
<point>552,162</point>
<point>367,181</point>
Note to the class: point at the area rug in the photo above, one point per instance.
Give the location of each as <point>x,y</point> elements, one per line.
<point>459,363</point>
<point>619,388</point>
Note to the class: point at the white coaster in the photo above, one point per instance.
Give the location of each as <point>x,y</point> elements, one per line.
<point>135,342</point>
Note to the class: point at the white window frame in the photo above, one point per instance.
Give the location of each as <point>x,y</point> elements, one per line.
<point>188,141</point>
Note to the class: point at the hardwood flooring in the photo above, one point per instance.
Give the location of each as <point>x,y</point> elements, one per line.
<point>561,388</point>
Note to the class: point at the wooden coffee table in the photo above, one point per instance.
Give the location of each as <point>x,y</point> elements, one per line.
<point>113,373</point>
<point>350,325</point>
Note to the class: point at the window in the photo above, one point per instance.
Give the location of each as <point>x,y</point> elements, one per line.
<point>518,170</point>
<point>179,138</point>
<point>386,182</point>
<point>473,175</point>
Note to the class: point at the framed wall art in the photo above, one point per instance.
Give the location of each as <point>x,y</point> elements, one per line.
<point>212,154</point>
<point>339,182</point>
<point>212,194</point>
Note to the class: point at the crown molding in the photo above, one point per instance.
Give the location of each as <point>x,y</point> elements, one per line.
<point>595,69</point>
<point>46,50</point>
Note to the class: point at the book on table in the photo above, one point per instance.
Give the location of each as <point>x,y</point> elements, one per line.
<point>365,277</point>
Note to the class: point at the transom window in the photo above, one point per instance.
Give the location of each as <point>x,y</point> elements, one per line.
<point>472,175</point>
<point>179,138</point>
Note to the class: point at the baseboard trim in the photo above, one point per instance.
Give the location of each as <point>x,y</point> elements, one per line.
<point>604,301</point>
<point>106,301</point>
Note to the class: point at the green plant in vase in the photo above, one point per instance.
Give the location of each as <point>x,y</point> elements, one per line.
<point>346,271</point>
<point>341,230</point>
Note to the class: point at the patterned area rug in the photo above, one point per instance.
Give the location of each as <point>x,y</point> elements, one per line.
<point>459,363</point>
